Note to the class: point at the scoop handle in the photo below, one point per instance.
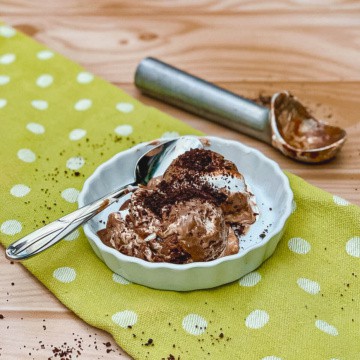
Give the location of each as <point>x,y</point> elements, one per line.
<point>171,85</point>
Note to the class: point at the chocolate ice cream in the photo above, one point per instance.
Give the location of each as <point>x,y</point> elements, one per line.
<point>195,212</point>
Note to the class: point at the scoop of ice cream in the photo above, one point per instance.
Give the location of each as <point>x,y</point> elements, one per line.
<point>142,217</point>
<point>198,227</point>
<point>191,231</point>
<point>197,162</point>
<point>212,173</point>
<point>189,214</point>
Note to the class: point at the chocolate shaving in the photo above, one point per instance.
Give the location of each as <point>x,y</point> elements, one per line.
<point>190,184</point>
<point>169,194</point>
<point>201,160</point>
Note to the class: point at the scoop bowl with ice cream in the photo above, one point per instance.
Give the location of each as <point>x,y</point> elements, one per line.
<point>191,228</point>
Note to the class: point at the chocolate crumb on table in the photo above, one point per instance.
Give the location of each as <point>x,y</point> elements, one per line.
<point>68,350</point>
<point>262,99</point>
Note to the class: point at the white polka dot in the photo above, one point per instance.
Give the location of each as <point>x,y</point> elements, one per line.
<point>250,279</point>
<point>124,130</point>
<point>326,328</point>
<point>7,31</point>
<point>83,105</point>
<point>299,246</point>
<point>340,201</point>
<point>194,324</point>
<point>77,134</point>
<point>311,287</point>
<point>39,104</point>
<point>3,103</point>
<point>19,190</point>
<point>75,163</point>
<point>44,80</point>
<point>7,59</point>
<point>170,135</point>
<point>11,227</point>
<point>26,155</point>
<point>72,236</point>
<point>65,274</point>
<point>125,318</point>
<point>4,79</point>
<point>35,128</point>
<point>125,107</point>
<point>70,195</point>
<point>44,54</point>
<point>257,319</point>
<point>353,246</point>
<point>84,78</point>
<point>272,357</point>
<point>293,206</point>
<point>120,280</point>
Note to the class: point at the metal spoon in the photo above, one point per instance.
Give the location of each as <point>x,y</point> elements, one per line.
<point>287,126</point>
<point>152,163</point>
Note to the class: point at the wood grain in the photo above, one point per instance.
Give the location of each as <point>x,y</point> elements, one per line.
<point>247,46</point>
<point>173,7</point>
<point>250,47</point>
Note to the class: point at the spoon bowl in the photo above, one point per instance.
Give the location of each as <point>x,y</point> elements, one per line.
<point>297,134</point>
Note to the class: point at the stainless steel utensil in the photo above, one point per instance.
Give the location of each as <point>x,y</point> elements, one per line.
<point>152,163</point>
<point>287,126</point>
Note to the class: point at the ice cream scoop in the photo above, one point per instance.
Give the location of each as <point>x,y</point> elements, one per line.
<point>288,126</point>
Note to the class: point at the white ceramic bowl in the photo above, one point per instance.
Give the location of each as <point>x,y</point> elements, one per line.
<point>267,182</point>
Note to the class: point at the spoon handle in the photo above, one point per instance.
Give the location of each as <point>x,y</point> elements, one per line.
<point>52,233</point>
<point>200,97</point>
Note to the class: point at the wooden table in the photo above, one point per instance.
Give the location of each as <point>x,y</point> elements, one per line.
<point>248,46</point>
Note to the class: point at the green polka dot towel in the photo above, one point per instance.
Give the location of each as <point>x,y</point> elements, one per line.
<point>58,123</point>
